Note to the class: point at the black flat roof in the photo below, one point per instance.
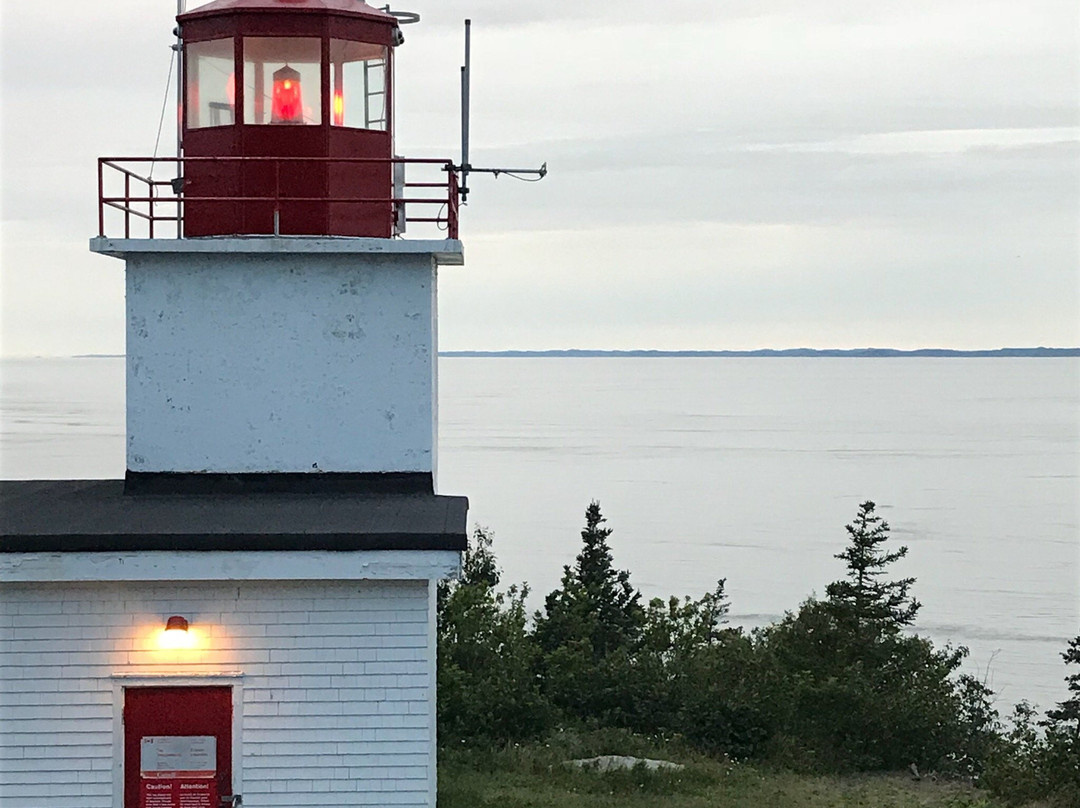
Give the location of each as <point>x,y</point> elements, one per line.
<point>97,516</point>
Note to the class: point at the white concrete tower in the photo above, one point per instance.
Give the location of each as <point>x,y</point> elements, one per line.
<point>286,360</point>
<point>279,513</point>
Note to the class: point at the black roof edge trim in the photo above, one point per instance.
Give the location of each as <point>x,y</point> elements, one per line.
<point>336,542</point>
<point>390,482</point>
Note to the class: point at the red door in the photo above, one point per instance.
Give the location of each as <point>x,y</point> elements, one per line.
<point>186,735</point>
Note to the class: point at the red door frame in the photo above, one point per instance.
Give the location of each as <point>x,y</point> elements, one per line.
<point>176,710</point>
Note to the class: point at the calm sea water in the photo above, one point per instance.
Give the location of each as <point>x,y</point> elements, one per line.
<point>744,469</point>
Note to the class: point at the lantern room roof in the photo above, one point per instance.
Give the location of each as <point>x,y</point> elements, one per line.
<point>355,8</point>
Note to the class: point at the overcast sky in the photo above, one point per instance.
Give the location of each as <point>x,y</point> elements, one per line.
<point>723,174</point>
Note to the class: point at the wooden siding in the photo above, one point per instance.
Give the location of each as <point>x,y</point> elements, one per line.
<point>336,685</point>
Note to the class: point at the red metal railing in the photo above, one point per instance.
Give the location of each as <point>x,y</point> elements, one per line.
<point>155,201</point>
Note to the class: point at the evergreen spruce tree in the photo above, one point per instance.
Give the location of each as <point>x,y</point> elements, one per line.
<point>866,603</point>
<point>855,690</point>
<point>589,631</point>
<point>595,601</point>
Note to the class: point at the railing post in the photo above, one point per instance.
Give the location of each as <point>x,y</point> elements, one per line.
<point>127,205</point>
<point>101,197</point>
<point>179,191</point>
<point>151,187</point>
<point>277,197</point>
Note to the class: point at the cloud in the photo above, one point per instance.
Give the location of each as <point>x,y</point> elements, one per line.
<point>699,177</point>
<point>797,150</point>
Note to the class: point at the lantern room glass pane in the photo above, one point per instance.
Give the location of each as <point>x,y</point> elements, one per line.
<point>282,80</point>
<point>211,88</point>
<point>359,77</point>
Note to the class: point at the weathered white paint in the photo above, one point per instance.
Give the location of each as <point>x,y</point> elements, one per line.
<point>280,360</point>
<point>312,565</point>
<point>337,685</point>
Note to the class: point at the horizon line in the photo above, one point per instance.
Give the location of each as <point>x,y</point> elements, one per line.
<point>704,352</point>
<point>1038,352</point>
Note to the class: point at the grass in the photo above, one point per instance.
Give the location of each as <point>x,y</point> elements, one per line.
<point>537,777</point>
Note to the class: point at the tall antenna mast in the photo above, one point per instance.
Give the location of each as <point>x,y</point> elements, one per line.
<point>179,49</point>
<point>465,70</point>
<point>465,168</point>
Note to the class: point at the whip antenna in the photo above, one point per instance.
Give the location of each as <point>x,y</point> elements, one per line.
<point>465,168</point>
<point>178,49</point>
<point>465,71</point>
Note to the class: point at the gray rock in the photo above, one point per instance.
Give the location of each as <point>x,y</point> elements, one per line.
<point>608,763</point>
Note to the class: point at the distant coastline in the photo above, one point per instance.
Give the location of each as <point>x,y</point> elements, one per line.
<point>858,353</point>
<point>787,352</point>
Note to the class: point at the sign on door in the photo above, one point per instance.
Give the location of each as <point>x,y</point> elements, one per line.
<point>177,746</point>
<point>178,771</point>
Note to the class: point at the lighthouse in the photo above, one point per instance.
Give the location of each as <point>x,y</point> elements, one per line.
<point>248,617</point>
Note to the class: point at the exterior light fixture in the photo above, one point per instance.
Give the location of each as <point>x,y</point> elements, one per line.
<point>176,636</point>
<point>176,623</point>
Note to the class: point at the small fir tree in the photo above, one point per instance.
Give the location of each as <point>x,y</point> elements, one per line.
<point>595,602</point>
<point>851,690</point>
<point>866,602</point>
<point>590,631</point>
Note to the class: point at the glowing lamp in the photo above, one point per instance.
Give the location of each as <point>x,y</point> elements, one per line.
<point>339,108</point>
<point>176,634</point>
<point>176,623</point>
<point>287,106</point>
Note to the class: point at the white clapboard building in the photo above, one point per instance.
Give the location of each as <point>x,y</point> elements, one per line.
<point>249,616</point>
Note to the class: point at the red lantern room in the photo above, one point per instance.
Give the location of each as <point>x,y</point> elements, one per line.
<point>287,118</point>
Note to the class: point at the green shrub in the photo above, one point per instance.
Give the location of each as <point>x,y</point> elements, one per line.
<point>847,687</point>
<point>839,685</point>
<point>1029,764</point>
<point>488,692</point>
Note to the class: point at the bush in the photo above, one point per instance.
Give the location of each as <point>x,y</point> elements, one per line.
<point>978,728</point>
<point>847,688</point>
<point>838,685</point>
<point>1062,757</point>
<point>1029,765</point>
<point>847,705</point>
<point>488,692</point>
<point>720,699</point>
<point>671,668</point>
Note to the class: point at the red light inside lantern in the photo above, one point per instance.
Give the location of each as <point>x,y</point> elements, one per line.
<point>287,106</point>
